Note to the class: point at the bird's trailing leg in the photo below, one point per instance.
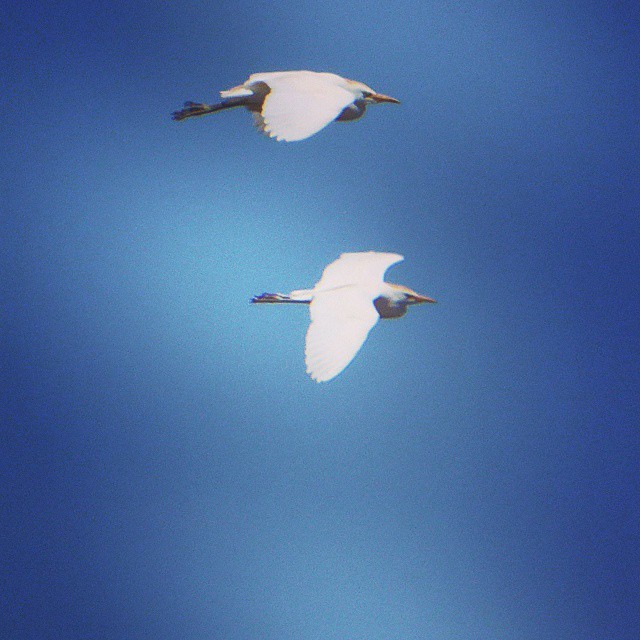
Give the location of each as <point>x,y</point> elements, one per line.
<point>192,109</point>
<point>274,298</point>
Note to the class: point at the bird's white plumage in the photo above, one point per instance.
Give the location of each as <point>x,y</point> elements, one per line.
<point>340,322</point>
<point>301,104</point>
<point>342,311</point>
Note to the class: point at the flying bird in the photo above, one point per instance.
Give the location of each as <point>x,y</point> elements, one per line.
<point>344,306</point>
<point>293,105</point>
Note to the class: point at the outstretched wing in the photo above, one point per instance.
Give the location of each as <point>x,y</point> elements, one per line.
<point>340,323</point>
<point>365,269</point>
<point>300,104</point>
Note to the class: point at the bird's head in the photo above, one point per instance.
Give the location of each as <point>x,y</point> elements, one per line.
<point>409,296</point>
<point>367,93</point>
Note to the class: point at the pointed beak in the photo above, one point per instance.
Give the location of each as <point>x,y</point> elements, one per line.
<point>380,97</point>
<point>416,298</point>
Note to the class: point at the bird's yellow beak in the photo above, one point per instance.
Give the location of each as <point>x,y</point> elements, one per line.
<point>380,97</point>
<point>416,298</point>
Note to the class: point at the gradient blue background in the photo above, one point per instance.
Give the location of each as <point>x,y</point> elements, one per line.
<point>167,468</point>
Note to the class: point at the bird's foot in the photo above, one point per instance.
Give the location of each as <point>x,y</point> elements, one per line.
<point>191,109</point>
<point>270,297</point>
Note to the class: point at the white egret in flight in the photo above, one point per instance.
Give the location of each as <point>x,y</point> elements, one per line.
<point>344,306</point>
<point>293,105</point>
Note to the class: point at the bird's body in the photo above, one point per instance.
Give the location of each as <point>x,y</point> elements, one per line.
<point>344,306</point>
<point>293,105</point>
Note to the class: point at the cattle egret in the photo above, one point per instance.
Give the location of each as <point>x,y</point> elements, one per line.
<point>293,105</point>
<point>344,306</point>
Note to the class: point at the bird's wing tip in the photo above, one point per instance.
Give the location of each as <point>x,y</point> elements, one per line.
<point>319,379</point>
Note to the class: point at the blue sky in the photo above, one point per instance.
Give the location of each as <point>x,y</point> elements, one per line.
<point>167,468</point>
